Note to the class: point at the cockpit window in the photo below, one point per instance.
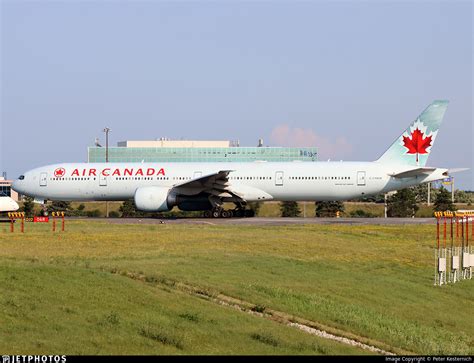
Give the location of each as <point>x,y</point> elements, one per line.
<point>21,177</point>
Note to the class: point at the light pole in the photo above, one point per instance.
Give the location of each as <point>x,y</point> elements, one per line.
<point>107,130</point>
<point>452,189</point>
<point>429,194</point>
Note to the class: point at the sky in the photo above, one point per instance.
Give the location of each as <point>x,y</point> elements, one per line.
<point>346,77</point>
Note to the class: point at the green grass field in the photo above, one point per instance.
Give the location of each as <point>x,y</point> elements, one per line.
<point>71,292</point>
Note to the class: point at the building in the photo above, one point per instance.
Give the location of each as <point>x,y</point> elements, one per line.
<point>174,143</point>
<point>165,150</point>
<point>6,189</point>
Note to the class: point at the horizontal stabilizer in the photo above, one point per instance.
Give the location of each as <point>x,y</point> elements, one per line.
<point>413,173</point>
<point>457,170</point>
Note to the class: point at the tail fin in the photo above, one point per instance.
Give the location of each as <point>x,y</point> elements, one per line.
<point>414,146</point>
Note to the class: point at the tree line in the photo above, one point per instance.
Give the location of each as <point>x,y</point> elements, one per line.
<point>404,203</point>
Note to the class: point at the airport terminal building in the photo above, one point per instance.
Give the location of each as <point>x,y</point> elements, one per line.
<point>165,150</point>
<point>6,189</point>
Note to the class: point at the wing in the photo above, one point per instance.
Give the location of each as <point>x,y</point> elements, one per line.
<point>215,184</point>
<point>219,189</point>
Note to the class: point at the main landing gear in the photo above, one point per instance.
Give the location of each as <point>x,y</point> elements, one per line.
<point>228,213</point>
<point>218,213</point>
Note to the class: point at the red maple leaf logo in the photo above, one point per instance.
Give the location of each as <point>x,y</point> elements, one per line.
<point>417,144</point>
<point>59,172</point>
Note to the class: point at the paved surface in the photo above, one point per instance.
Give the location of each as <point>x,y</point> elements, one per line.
<point>257,221</point>
<point>273,221</point>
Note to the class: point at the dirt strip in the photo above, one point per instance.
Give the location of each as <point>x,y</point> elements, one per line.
<point>308,329</point>
<point>308,326</point>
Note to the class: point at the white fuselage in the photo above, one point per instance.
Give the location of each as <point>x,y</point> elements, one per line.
<point>254,181</point>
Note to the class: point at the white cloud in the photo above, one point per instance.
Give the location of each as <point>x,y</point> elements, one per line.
<point>284,135</point>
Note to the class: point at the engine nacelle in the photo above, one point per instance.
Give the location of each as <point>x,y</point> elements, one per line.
<point>153,199</point>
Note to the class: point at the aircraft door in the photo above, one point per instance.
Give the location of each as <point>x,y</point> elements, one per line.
<point>361,178</point>
<point>279,178</point>
<point>197,174</point>
<point>43,179</point>
<point>102,180</point>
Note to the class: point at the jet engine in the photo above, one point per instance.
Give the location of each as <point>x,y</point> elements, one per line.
<point>154,199</point>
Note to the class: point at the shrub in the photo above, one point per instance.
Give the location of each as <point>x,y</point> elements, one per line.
<point>443,201</point>
<point>402,204</point>
<point>114,214</point>
<point>328,208</point>
<point>359,213</point>
<point>289,209</point>
<point>94,213</point>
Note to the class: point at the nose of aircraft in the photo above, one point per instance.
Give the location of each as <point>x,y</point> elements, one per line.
<point>16,186</point>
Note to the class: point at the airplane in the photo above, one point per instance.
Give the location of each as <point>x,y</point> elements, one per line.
<point>206,186</point>
<point>7,204</point>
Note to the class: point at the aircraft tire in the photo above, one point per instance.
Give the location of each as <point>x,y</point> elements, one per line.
<point>239,213</point>
<point>249,213</point>
<point>225,214</point>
